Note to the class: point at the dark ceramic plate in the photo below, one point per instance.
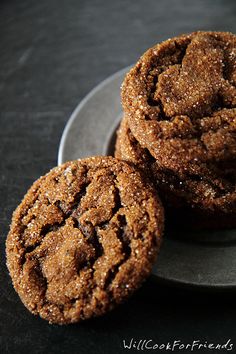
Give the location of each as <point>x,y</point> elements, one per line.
<point>200,258</point>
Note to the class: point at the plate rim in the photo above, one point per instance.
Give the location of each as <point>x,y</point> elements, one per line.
<point>80,105</point>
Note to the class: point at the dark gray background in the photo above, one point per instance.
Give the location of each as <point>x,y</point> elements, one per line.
<point>51,54</point>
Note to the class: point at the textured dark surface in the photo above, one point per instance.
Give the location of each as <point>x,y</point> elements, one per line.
<point>52,53</point>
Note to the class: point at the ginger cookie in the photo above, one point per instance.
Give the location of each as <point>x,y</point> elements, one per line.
<point>177,194</point>
<point>180,102</point>
<point>83,239</point>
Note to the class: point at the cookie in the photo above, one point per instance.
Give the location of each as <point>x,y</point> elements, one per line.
<point>83,239</point>
<point>180,100</point>
<point>172,190</point>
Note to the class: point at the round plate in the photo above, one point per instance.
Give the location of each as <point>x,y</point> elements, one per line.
<point>201,258</point>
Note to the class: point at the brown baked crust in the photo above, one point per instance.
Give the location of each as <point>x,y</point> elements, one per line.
<point>83,239</point>
<point>176,193</point>
<point>180,100</point>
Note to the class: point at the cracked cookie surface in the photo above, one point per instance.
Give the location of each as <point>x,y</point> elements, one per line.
<point>180,102</point>
<point>83,239</point>
<point>181,99</point>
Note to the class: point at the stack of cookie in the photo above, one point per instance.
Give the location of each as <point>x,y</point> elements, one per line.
<point>179,124</point>
<point>87,234</point>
